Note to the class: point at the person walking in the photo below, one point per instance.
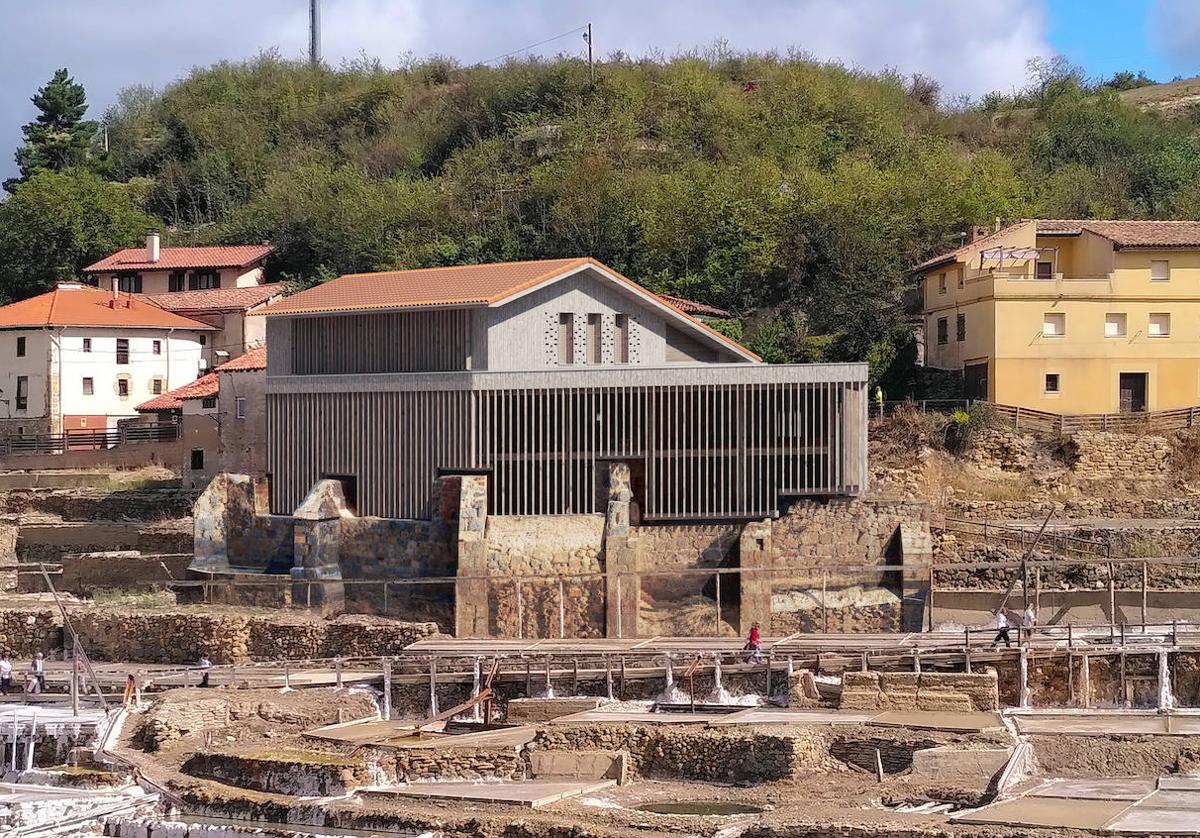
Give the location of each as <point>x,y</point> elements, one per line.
<point>205,669</point>
<point>1002,625</point>
<point>37,669</point>
<point>879,399</point>
<point>754,645</point>
<point>5,674</point>
<point>1028,622</point>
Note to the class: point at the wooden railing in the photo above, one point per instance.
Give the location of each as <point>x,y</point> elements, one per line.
<point>1183,418</point>
<point>91,440</point>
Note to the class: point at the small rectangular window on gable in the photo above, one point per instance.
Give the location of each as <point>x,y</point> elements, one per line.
<point>621,339</point>
<point>157,347</point>
<point>941,283</point>
<point>87,344</point>
<point>1051,382</point>
<point>594,349</point>
<point>197,459</point>
<point>21,347</point>
<point>240,408</point>
<point>1160,270</point>
<point>566,339</point>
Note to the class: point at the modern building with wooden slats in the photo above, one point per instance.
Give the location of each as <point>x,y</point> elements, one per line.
<point>536,373</point>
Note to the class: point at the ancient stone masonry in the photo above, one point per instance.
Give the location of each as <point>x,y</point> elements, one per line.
<point>662,549</point>
<point>1093,507</point>
<point>316,572</point>
<point>566,548</point>
<point>1001,449</point>
<point>691,753</point>
<point>94,505</point>
<point>815,538</point>
<point>181,635</point>
<point>304,773</point>
<point>24,632</point>
<point>920,691</point>
<point>1113,456</point>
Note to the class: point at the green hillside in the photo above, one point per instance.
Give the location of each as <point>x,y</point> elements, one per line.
<point>792,193</point>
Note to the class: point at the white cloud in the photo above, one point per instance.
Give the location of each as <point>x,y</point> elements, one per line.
<point>969,47</point>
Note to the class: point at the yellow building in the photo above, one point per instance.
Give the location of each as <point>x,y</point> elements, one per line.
<point>1070,316</point>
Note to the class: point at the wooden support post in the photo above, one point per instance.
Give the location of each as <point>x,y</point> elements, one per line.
<point>878,766</point>
<point>1145,586</point>
<point>1071,678</point>
<point>528,679</point>
<point>337,665</point>
<point>549,682</point>
<point>929,603</point>
<point>917,661</point>
<point>717,628</point>
<point>433,699</point>
<point>520,612</point>
<point>562,610</point>
<point>824,606</point>
<point>967,659</point>
<point>387,689</point>
<point>575,676</point>
<point>1070,635</point>
<point>1112,598</point>
<point>1037,595</point>
<point>767,694</point>
<point>622,693</point>
<point>1124,699</point>
<point>864,661</point>
<point>608,684</point>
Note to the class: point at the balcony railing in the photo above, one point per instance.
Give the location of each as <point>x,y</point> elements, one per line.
<point>88,440</point>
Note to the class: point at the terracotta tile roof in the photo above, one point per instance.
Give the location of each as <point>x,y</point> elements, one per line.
<point>205,387</point>
<point>183,258</point>
<point>464,285</point>
<point>694,308</point>
<point>71,304</point>
<point>1182,234</point>
<point>254,359</point>
<point>432,287</point>
<point>1179,234</point>
<point>217,299</point>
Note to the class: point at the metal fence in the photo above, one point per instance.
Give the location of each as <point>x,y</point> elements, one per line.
<point>88,440</point>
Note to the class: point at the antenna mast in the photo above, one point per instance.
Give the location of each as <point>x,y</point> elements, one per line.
<point>314,32</point>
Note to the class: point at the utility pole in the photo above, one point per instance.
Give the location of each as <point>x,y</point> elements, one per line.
<point>314,32</point>
<point>591,66</point>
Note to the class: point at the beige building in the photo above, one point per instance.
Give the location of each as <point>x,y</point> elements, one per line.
<point>1070,316</point>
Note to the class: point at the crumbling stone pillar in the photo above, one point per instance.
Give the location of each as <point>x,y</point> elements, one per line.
<point>316,573</point>
<point>224,510</point>
<point>623,586</point>
<point>755,553</point>
<point>916,554</point>
<point>470,594</point>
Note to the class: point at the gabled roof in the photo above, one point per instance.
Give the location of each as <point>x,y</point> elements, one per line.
<point>465,286</point>
<point>1150,234</point>
<point>694,308</point>
<point>184,258</point>
<point>216,299</point>
<point>253,359</point>
<point>1181,234</point>
<point>71,304</point>
<point>205,387</point>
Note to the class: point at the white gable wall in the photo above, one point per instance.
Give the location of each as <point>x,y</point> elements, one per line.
<point>523,333</point>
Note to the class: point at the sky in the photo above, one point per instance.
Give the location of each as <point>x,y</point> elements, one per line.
<point>971,47</point>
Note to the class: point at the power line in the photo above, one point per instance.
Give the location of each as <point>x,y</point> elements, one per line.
<point>577,29</point>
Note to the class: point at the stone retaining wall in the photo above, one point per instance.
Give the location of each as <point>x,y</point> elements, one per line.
<point>306,774</point>
<point>684,752</point>
<point>410,764</point>
<point>545,546</point>
<point>920,691</point>
<point>1102,455</point>
<point>180,635</point>
<point>1001,449</point>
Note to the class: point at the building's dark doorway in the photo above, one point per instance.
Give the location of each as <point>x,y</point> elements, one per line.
<point>975,381</point>
<point>1133,392</point>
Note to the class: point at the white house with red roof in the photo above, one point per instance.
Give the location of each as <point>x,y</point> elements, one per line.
<point>216,285</point>
<point>80,358</point>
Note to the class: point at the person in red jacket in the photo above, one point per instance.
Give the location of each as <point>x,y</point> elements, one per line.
<point>754,645</point>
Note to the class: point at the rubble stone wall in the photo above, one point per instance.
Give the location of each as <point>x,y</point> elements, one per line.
<point>1002,449</point>
<point>686,753</point>
<point>457,764</point>
<point>1104,455</point>
<point>922,691</point>
<point>557,546</point>
<point>96,505</point>
<point>682,547</point>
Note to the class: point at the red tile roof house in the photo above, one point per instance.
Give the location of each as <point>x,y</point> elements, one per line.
<point>194,407</point>
<point>215,285</point>
<point>80,359</point>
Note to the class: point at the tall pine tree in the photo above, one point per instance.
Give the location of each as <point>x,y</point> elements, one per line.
<point>59,138</point>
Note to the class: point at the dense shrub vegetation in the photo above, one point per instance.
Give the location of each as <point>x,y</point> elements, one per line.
<point>794,194</point>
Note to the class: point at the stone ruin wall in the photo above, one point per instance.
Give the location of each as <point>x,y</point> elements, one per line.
<point>813,536</point>
<point>667,600</point>
<point>565,546</point>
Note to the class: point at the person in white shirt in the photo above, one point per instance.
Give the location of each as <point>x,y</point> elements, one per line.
<point>1002,626</point>
<point>5,674</point>
<point>37,669</point>
<point>205,669</point>
<point>1029,621</point>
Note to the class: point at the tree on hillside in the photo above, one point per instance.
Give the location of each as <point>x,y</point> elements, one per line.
<point>56,223</point>
<point>59,137</point>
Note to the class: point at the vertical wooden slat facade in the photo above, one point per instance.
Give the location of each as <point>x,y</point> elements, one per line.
<point>714,442</point>
<point>410,341</point>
